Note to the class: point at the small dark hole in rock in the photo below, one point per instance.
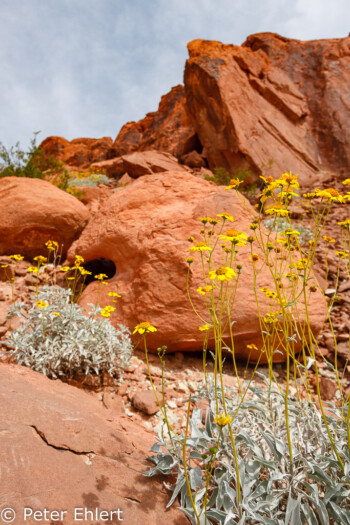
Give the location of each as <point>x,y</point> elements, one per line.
<point>97,266</point>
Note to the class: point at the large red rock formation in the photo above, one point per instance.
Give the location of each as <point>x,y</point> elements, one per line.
<point>272,98</point>
<point>168,129</point>
<point>32,211</point>
<point>143,228</point>
<point>61,449</point>
<point>78,153</point>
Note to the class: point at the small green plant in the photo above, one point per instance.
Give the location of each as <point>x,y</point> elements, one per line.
<point>33,164</point>
<point>57,339</point>
<point>221,177</point>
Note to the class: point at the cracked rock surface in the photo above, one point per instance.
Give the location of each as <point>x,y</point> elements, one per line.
<point>62,449</point>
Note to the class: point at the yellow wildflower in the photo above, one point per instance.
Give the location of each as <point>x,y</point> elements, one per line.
<point>204,327</point>
<point>237,238</point>
<point>234,183</point>
<point>65,269</point>
<point>101,276</point>
<point>276,210</point>
<point>289,180</point>
<point>56,313</point>
<point>223,420</point>
<point>290,231</point>
<point>330,194</point>
<point>51,245</point>
<point>223,273</point>
<point>345,224</point>
<point>83,271</point>
<point>40,259</point>
<point>302,264</point>
<point>328,239</point>
<point>270,318</point>
<point>33,269</point>
<point>204,289</point>
<point>267,180</point>
<point>114,294</point>
<point>291,276</point>
<point>42,304</point>
<point>342,255</point>
<point>16,257</point>
<point>271,295</point>
<point>254,258</point>
<point>346,182</point>
<point>78,260</point>
<point>189,260</point>
<point>226,217</point>
<point>211,220</point>
<point>144,327</point>
<point>200,247</point>
<point>252,347</point>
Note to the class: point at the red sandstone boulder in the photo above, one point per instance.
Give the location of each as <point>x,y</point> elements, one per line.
<point>79,153</point>
<point>32,211</point>
<point>143,228</point>
<point>62,449</point>
<point>168,129</point>
<point>139,163</point>
<point>272,98</point>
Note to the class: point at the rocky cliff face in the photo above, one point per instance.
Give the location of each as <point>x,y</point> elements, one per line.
<point>271,99</point>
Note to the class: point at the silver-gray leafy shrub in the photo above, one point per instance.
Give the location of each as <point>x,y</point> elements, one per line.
<point>315,491</point>
<point>61,346</point>
<point>93,180</point>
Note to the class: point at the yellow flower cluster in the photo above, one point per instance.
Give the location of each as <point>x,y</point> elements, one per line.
<point>236,237</point>
<point>33,269</point>
<point>223,420</point>
<point>328,239</point>
<point>328,194</point>
<point>234,183</point>
<point>204,327</point>
<point>107,310</point>
<point>51,245</point>
<point>42,304</point>
<point>204,289</point>
<point>200,247</point>
<point>223,273</point>
<point>40,259</point>
<point>270,294</point>
<point>226,216</point>
<point>345,224</point>
<point>144,327</point>
<point>210,220</point>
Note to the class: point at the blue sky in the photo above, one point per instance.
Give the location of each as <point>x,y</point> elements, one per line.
<point>83,68</point>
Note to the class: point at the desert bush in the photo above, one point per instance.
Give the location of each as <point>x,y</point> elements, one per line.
<point>34,164</point>
<point>222,176</point>
<point>57,339</point>
<point>312,489</point>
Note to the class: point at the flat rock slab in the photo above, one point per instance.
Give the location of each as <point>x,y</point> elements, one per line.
<point>62,450</point>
